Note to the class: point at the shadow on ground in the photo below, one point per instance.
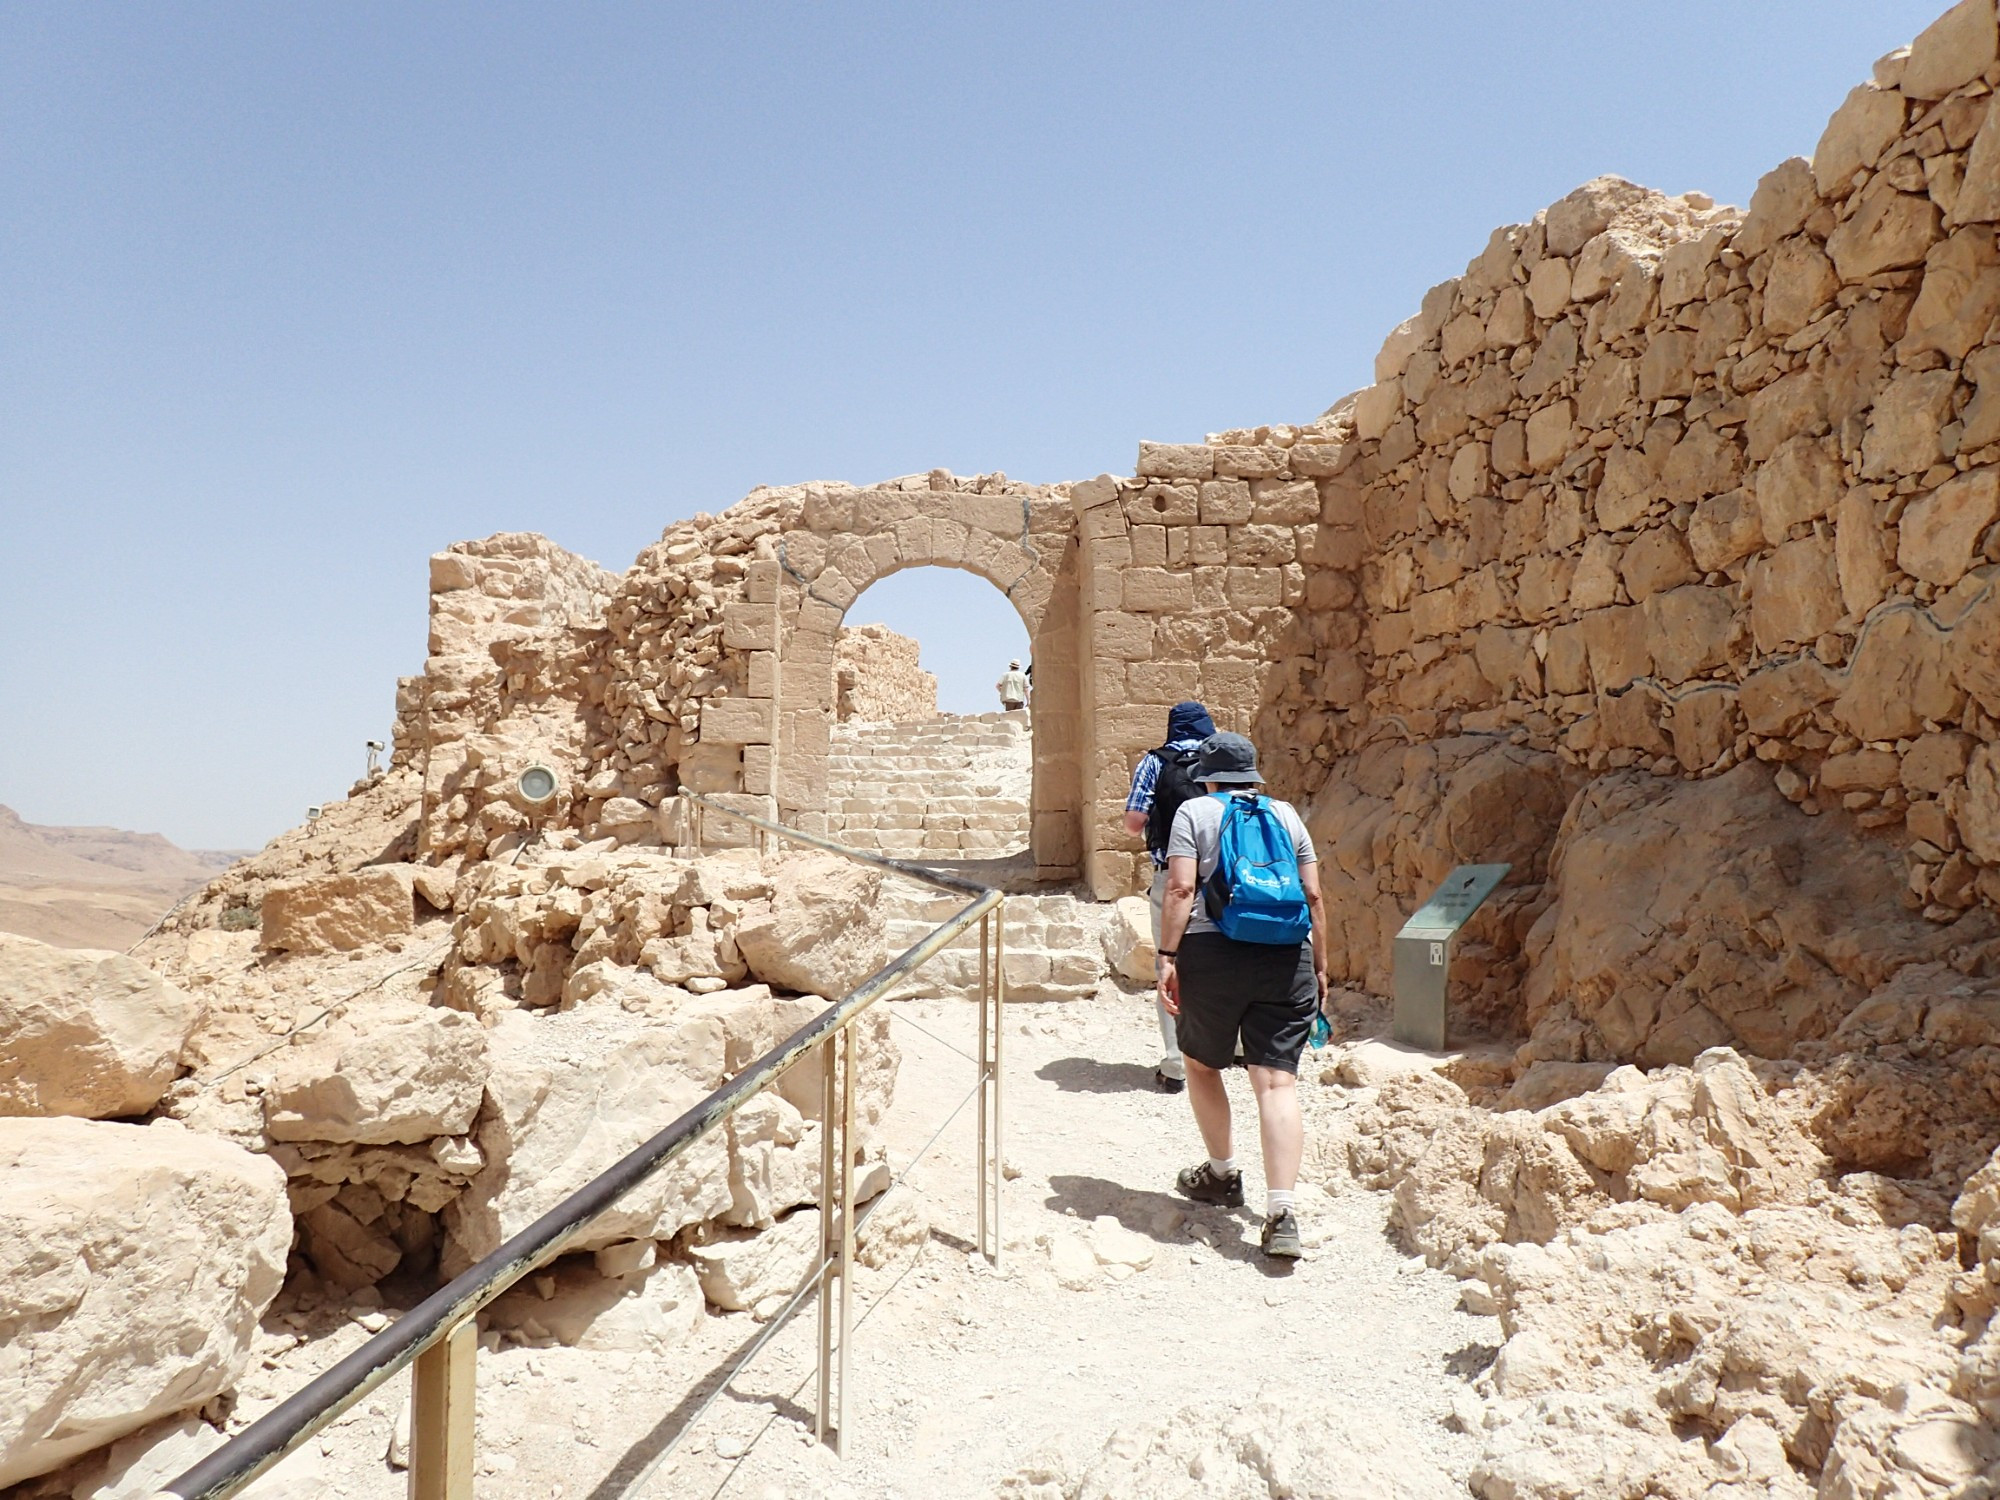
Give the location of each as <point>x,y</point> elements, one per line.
<point>1146,1212</point>
<point>1086,1075</point>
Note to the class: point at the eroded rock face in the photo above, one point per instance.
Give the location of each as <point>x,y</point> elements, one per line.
<point>1391,823</point>
<point>392,1074</point>
<point>1711,913</point>
<point>134,1265</point>
<point>339,913</point>
<point>84,1032</point>
<point>818,936</point>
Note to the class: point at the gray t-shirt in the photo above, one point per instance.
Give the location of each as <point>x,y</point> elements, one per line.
<point>1197,832</point>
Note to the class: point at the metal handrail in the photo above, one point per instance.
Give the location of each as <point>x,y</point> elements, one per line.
<point>448,1311</point>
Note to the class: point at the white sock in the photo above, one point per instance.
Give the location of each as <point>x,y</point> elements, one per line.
<point>1222,1166</point>
<point>1277,1201</point>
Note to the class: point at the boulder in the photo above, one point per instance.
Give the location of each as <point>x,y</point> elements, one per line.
<point>648,1310</point>
<point>570,1094</point>
<point>339,913</point>
<point>755,1271</point>
<point>395,1073</point>
<point>135,1263</point>
<point>1130,939</point>
<point>84,1032</point>
<point>819,935</point>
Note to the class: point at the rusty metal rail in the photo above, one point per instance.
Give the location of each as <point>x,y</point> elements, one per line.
<point>439,1336</point>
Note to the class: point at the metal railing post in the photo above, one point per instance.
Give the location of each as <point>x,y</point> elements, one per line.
<point>828,1061</point>
<point>985,1069</point>
<point>846,1225</point>
<point>442,1438</point>
<point>999,1047</point>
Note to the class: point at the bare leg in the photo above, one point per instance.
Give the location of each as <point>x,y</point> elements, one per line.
<point>1278,1122</point>
<point>1170,1053</point>
<point>1211,1108</point>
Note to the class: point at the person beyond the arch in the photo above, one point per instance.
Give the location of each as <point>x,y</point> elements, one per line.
<point>1150,806</point>
<point>1013,686</point>
<point>1223,991</point>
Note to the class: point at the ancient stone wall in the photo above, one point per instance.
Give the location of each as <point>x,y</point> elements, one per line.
<point>879,678</point>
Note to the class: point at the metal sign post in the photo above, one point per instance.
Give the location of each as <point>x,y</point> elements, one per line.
<point>1423,953</point>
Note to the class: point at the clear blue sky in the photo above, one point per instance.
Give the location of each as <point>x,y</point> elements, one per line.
<point>293,295</point>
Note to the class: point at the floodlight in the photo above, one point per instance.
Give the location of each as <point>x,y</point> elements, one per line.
<point>538,784</point>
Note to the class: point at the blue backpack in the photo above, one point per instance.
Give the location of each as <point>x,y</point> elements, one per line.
<point>1254,894</point>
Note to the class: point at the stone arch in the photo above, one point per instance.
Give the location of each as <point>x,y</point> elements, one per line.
<point>1019,538</point>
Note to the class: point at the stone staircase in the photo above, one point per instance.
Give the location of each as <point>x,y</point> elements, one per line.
<point>1057,942</point>
<point>953,787</point>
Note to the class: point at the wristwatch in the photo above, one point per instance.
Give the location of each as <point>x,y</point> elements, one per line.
<point>1176,953</point>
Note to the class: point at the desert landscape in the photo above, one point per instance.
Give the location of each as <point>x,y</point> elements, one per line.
<point>1658,563</point>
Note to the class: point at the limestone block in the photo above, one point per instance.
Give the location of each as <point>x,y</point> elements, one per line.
<point>1605,259</point>
<point>392,1073</point>
<point>1975,804</point>
<point>568,1095</point>
<point>1657,561</point>
<point>1793,405</point>
<point>1938,531</point>
<point>1629,487</point>
<point>451,571</point>
<point>1617,644</point>
<point>1903,428</point>
<point>1887,230</point>
<point>1122,636</point>
<point>1595,583</point>
<point>1951,52</point>
<point>1959,298</point>
<point>1666,369</point>
<point>1689,630</point>
<point>1702,725</point>
<point>1794,594</point>
<point>1864,126</point>
<point>1284,502</point>
<point>134,1266</point>
<point>1900,676</point>
<point>1978,200</point>
<point>1974,652</point>
<point>1225,502</point>
<point>1550,435</point>
<point>1404,340</point>
<point>1250,461</point>
<point>1685,266</point>
<point>1376,408</point>
<point>649,1310</point>
<point>1724,529</point>
<point>84,1032</point>
<point>737,721</point>
<point>1861,770</point>
<point>1776,700</point>
<point>819,935</point>
<point>755,1271</point>
<point>1935,761</point>
<point>1801,280</point>
<point>1803,480</point>
<point>1785,197</point>
<point>1176,460</point>
<point>1129,939</point>
<point>1548,287</point>
<point>1158,591</point>
<point>338,913</point>
<point>749,627</point>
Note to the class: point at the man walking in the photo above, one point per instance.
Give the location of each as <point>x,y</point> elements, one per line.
<point>1161,782</point>
<point>1221,990</point>
<point>1013,688</point>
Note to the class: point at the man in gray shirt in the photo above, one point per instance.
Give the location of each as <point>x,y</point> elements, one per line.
<point>1223,991</point>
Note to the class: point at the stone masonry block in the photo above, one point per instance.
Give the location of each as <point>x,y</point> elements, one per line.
<point>1253,588</point>
<point>763,674</point>
<point>1287,502</point>
<point>760,581</point>
<point>736,721</point>
<point>1226,502</point>
<point>1149,546</point>
<point>1176,460</point>
<point>1164,505</point>
<point>758,766</point>
<point>1129,637</point>
<point>1002,515</point>
<point>749,627</point>
<point>1160,592</point>
<point>1256,545</point>
<point>1247,462</point>
<point>1163,681</point>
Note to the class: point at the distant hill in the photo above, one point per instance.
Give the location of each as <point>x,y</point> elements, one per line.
<point>94,887</point>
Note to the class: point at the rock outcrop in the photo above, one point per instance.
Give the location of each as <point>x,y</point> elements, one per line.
<point>84,1032</point>
<point>134,1265</point>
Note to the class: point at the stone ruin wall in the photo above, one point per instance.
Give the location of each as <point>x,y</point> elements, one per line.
<point>879,678</point>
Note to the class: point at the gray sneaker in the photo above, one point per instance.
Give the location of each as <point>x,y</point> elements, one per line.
<point>1281,1236</point>
<point>1206,1185</point>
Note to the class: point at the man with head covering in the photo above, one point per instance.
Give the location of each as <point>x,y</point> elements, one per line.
<point>1253,998</point>
<point>1161,782</point>
<point>1013,688</point>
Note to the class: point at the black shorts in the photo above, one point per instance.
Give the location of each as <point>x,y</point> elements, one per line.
<point>1263,993</point>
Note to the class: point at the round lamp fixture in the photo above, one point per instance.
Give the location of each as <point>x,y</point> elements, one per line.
<point>537,783</point>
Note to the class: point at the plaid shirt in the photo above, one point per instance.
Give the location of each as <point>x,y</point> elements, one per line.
<point>1146,777</point>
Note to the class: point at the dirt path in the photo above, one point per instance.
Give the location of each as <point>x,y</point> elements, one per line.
<point>961,1375</point>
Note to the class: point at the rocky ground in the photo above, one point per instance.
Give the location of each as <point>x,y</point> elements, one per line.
<point>1117,1307</point>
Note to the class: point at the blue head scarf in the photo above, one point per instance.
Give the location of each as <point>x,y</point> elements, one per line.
<point>1188,721</point>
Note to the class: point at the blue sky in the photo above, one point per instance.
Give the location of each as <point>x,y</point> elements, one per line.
<point>293,296</point>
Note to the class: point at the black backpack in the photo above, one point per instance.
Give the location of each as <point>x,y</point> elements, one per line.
<point>1174,785</point>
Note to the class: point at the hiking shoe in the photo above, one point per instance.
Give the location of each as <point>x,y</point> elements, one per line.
<point>1281,1235</point>
<point>1206,1185</point>
<point>1167,1083</point>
